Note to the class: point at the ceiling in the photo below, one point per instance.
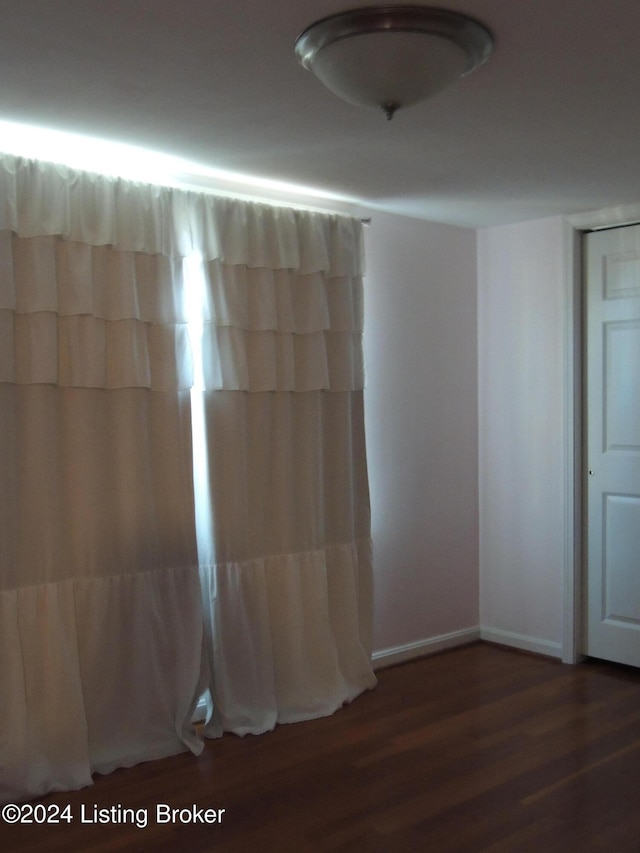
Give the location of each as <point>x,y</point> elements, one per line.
<point>549,125</point>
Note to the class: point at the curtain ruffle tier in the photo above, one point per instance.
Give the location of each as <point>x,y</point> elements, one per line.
<point>97,673</point>
<point>39,199</point>
<point>290,636</point>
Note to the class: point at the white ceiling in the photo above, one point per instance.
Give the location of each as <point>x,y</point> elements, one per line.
<point>549,125</point>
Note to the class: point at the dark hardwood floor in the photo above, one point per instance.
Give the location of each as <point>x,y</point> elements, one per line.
<point>478,749</point>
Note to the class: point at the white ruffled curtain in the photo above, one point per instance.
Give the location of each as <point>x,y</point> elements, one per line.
<point>287,582</point>
<point>104,650</point>
<point>100,609</point>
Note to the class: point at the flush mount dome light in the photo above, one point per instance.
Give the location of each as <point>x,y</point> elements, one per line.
<point>387,57</point>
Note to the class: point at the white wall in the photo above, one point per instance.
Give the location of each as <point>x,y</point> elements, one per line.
<point>523,318</point>
<point>421,420</point>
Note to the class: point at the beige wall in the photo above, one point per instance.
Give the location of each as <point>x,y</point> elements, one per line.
<point>524,403</point>
<point>421,420</point>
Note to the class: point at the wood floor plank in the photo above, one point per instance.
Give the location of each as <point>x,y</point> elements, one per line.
<point>475,750</point>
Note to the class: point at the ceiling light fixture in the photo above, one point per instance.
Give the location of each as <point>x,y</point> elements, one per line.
<point>387,57</point>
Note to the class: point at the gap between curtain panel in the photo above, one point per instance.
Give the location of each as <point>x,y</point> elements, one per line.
<point>153,339</point>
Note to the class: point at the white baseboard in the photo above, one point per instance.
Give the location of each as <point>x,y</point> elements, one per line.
<point>520,641</point>
<point>433,645</point>
<point>421,648</point>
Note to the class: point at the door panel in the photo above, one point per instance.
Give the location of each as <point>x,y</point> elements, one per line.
<point>613,444</point>
<point>620,578</point>
<point>622,391</point>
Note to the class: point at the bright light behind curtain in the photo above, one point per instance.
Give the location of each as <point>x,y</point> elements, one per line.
<point>101,590</point>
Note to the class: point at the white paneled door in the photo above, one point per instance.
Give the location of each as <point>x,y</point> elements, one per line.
<point>613,444</point>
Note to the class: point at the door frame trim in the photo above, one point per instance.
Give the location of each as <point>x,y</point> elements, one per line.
<point>607,217</point>
<point>574,588</point>
<point>573,419</point>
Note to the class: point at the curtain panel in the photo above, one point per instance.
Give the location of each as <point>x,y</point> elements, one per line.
<point>123,595</point>
<point>287,579</point>
<point>100,614</point>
